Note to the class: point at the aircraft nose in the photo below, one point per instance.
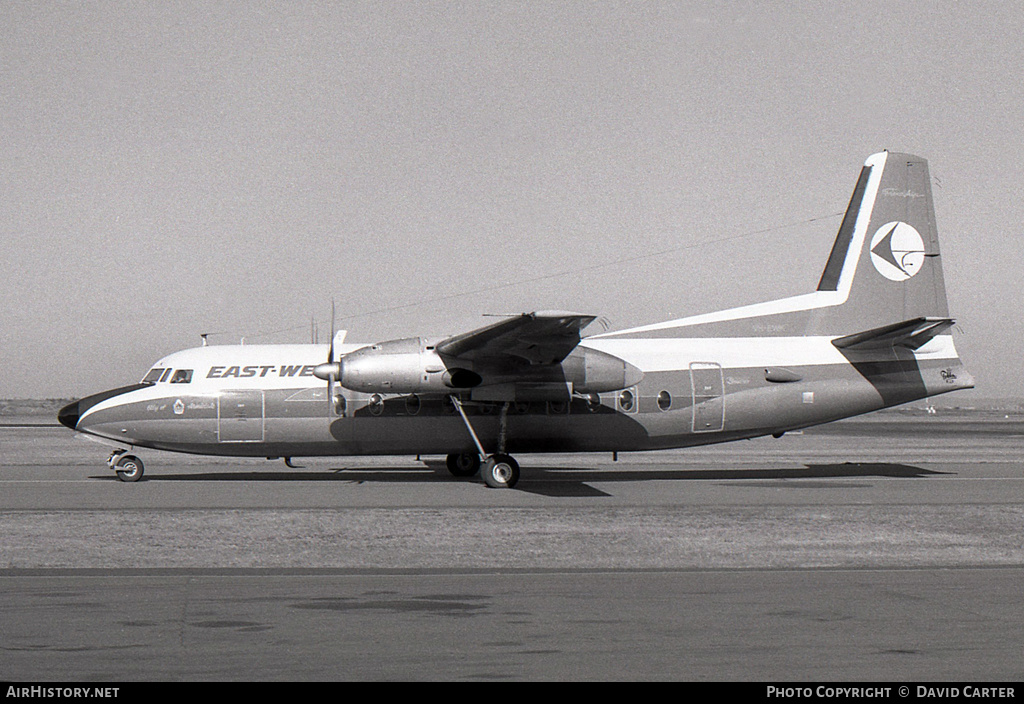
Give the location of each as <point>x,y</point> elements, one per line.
<point>71,414</point>
<point>68,416</point>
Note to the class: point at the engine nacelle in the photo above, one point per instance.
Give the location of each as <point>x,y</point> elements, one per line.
<point>403,366</point>
<point>592,371</point>
<point>584,371</point>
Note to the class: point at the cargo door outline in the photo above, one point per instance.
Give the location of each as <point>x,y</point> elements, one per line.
<point>707,385</point>
<point>240,415</point>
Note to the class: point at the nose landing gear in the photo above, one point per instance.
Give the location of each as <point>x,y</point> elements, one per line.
<point>128,468</point>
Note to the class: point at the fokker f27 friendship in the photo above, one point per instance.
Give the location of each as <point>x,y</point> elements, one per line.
<point>876,333</point>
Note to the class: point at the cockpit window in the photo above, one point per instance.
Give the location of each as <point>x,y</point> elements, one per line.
<point>182,376</point>
<point>154,375</point>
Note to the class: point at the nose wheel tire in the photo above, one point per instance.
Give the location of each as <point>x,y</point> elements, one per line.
<point>129,468</point>
<point>500,471</point>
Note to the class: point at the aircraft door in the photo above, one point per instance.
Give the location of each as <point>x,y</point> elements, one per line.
<point>708,388</point>
<point>240,416</point>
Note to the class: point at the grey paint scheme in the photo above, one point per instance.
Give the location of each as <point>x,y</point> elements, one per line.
<point>744,402</point>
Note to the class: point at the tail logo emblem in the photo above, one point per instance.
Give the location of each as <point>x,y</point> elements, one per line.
<point>897,251</point>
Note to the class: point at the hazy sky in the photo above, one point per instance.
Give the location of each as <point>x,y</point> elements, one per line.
<point>168,169</point>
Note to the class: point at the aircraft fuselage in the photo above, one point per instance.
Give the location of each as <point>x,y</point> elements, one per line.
<point>263,401</point>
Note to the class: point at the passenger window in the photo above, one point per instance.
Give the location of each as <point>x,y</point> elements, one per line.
<point>182,376</point>
<point>626,401</point>
<point>412,404</point>
<point>558,408</point>
<point>376,404</point>
<point>664,400</point>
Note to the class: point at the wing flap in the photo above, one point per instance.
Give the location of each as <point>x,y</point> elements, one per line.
<point>910,333</point>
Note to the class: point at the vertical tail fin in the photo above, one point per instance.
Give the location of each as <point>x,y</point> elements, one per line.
<point>886,274</point>
<point>884,270</point>
<point>885,263</point>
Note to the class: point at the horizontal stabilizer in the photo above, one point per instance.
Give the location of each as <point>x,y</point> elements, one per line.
<point>911,334</point>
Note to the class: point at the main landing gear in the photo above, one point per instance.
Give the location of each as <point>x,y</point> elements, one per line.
<point>499,471</point>
<point>464,464</point>
<point>128,468</point>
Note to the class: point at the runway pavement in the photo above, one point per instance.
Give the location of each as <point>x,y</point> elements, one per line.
<point>882,549</point>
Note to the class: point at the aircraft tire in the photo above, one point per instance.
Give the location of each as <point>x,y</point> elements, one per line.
<point>500,471</point>
<point>463,464</point>
<point>129,468</point>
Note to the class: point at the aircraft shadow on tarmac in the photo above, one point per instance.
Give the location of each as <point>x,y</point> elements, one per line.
<point>566,481</point>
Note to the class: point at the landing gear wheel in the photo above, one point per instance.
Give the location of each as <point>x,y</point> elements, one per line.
<point>463,464</point>
<point>129,468</point>
<point>500,471</point>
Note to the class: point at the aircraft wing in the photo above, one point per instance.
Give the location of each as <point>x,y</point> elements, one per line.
<point>544,337</point>
<point>910,333</point>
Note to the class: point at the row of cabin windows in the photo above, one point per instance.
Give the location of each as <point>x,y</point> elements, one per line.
<point>626,401</point>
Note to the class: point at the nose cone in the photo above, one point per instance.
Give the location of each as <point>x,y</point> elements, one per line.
<point>71,414</point>
<point>68,416</point>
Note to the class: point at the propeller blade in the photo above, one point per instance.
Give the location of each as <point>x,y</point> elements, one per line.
<point>330,349</point>
<point>333,369</point>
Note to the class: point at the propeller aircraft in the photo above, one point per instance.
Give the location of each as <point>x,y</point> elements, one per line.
<point>874,334</point>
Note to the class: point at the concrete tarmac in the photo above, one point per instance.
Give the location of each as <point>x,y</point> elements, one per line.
<point>881,549</point>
